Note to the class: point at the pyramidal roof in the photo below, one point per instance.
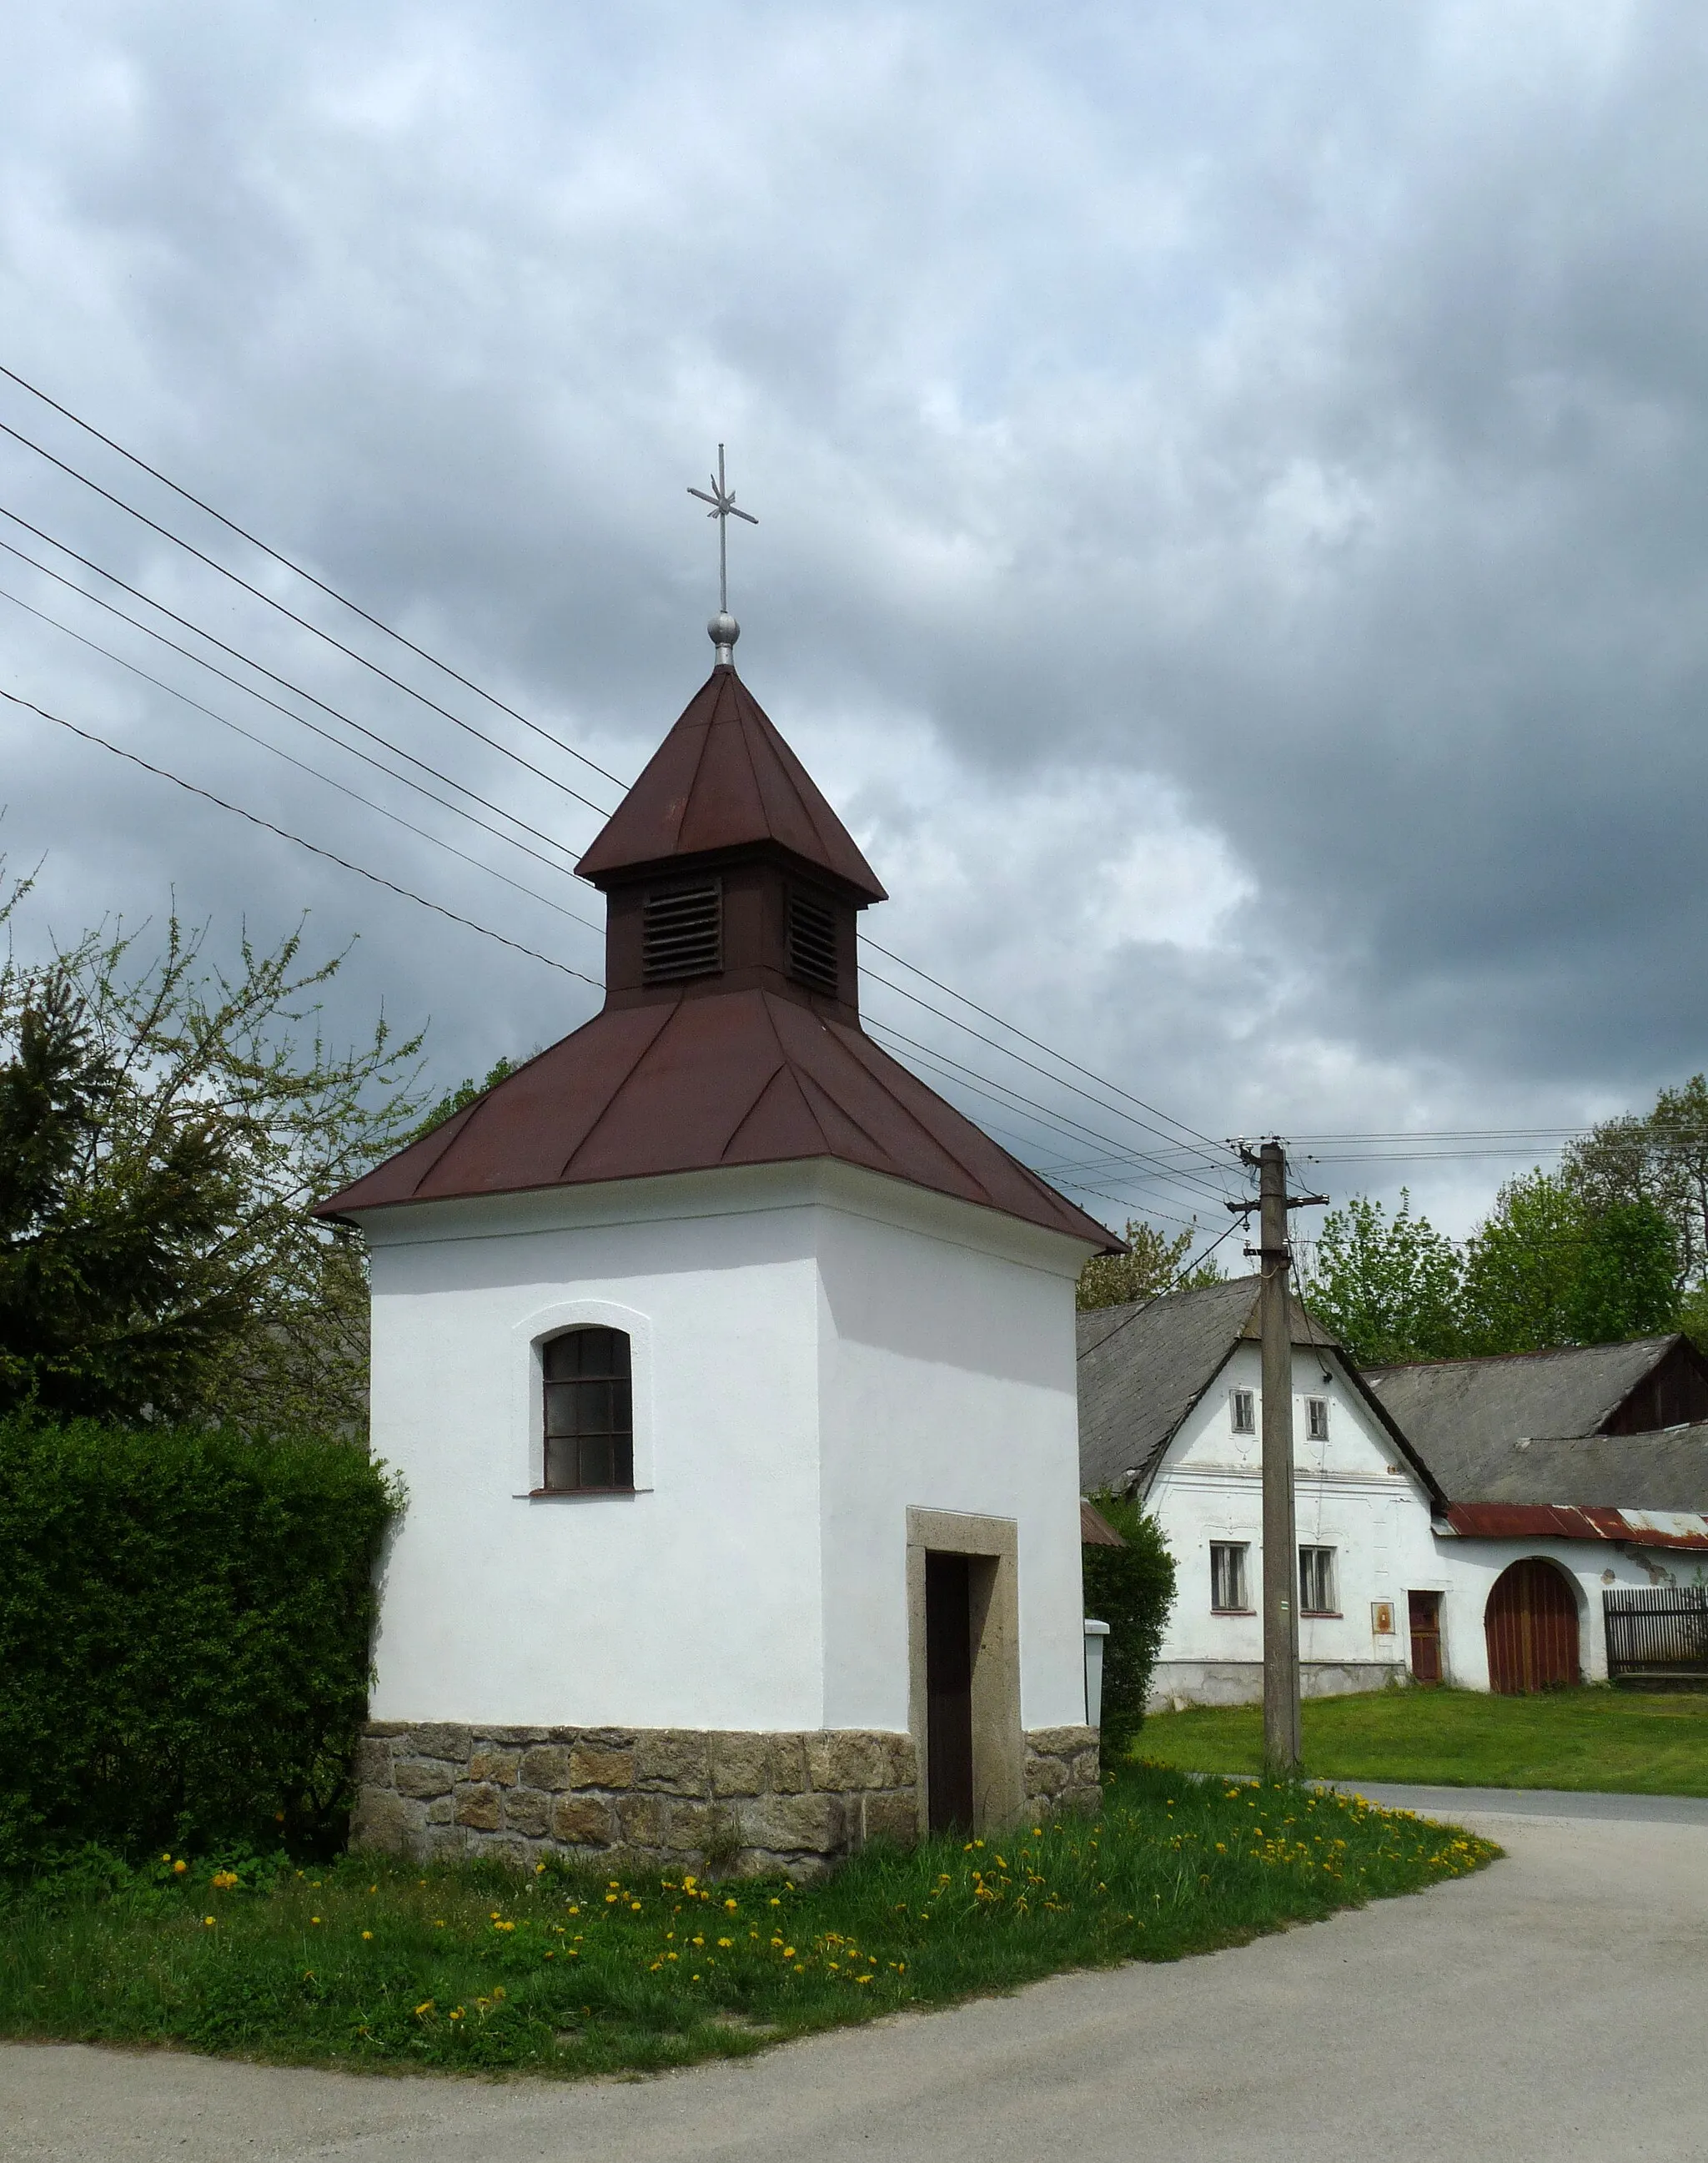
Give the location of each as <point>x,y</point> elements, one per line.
<point>723,778</point>
<point>680,1077</point>
<point>689,1085</point>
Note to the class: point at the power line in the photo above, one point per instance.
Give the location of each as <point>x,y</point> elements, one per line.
<point>284,682</point>
<point>313,629</point>
<point>320,584</point>
<point>303,766</point>
<point>913,969</point>
<point>1196,1262</point>
<point>546,734</point>
<point>1061,1119</point>
<point>164,773</point>
<point>1020,1060</point>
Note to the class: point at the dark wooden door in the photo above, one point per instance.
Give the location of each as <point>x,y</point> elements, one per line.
<point>1426,1636</point>
<point>948,1690</point>
<point>1531,1622</point>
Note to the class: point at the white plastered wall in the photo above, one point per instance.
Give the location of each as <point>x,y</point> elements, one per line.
<point>1354,1492</point>
<point>1591,1566</point>
<point>815,1349</point>
<point>947,1354</point>
<point>693,1602</point>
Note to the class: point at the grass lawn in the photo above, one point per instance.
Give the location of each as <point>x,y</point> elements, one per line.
<point>387,1966</point>
<point>1652,1743</point>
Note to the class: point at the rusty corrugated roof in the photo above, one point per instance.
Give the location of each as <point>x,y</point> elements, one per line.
<point>688,1084</point>
<point>1530,1521</point>
<point>723,778</point>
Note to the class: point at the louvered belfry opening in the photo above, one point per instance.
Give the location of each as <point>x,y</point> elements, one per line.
<point>682,932</point>
<point>813,956</point>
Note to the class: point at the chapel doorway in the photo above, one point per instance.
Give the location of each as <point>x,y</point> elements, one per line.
<point>1531,1622</point>
<point>1426,1636</point>
<point>948,1690</point>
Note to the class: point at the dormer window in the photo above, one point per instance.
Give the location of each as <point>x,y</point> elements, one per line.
<point>813,956</point>
<point>589,1411</point>
<point>681,933</point>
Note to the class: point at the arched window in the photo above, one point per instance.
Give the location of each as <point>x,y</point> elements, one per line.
<point>589,1411</point>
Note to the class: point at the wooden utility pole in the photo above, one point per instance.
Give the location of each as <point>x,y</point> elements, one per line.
<point>1281,1725</point>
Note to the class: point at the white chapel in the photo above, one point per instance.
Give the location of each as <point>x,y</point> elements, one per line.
<point>731,1374</point>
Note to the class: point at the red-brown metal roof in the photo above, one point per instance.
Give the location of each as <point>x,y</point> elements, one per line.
<point>723,778</point>
<point>740,1077</point>
<point>1531,1520</point>
<point>1095,1531</point>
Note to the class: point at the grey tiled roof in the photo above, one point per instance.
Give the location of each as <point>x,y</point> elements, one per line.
<point>1464,1416</point>
<point>1141,1369</point>
<point>1664,1471</point>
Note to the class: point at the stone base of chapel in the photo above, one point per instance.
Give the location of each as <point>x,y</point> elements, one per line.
<point>755,1803</point>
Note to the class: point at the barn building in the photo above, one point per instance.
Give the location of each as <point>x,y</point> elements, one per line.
<point>731,1373</point>
<point>1576,1489</point>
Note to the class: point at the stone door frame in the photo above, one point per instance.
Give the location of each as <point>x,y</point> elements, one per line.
<point>999,1794</point>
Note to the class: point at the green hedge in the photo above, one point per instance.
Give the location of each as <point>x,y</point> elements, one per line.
<point>1131,1587</point>
<point>184,1628</point>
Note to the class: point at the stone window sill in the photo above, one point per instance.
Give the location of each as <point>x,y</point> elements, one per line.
<point>1233,1611</point>
<point>577,1494</point>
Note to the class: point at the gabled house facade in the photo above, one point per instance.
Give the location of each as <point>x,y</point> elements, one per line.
<point>1485,1522</point>
<point>730,1373</point>
<point>1171,1413</point>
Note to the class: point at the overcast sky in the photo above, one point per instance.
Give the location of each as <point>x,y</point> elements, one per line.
<point>1232,482</point>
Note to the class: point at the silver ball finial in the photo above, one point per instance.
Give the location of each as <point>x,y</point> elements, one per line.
<point>724,631</point>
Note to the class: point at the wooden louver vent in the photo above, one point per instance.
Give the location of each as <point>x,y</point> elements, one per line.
<point>682,933</point>
<point>813,944</point>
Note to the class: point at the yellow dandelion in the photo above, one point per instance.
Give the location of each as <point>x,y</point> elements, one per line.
<point>208,1920</point>
<point>367,1934</point>
<point>424,2007</point>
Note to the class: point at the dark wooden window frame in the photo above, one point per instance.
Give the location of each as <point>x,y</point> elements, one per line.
<point>1305,1607</point>
<point>1316,1419</point>
<point>587,1412</point>
<point>1249,1424</point>
<point>1242,1552</point>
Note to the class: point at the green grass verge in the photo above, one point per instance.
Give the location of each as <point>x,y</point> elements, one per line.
<point>386,1966</point>
<point>1652,1743</point>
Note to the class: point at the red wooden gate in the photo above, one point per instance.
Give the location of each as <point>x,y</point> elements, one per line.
<point>1531,1622</point>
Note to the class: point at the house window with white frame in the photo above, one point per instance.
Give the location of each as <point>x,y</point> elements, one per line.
<point>1242,1411</point>
<point>1317,1590</point>
<point>1316,1419</point>
<point>1230,1589</point>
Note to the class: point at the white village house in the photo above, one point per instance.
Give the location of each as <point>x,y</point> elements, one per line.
<point>1472,1522</point>
<point>1170,1411</point>
<point>731,1373</point>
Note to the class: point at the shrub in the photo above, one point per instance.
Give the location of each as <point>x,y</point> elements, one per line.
<point>184,1627</point>
<point>1131,1587</point>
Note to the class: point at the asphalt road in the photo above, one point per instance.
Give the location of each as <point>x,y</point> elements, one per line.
<point>1554,2006</point>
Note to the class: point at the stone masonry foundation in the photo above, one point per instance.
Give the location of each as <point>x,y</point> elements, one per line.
<point>749,1803</point>
<point>1061,1769</point>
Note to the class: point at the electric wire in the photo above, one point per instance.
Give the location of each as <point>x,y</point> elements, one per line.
<point>284,682</point>
<point>1212,1160</point>
<point>1144,1307</point>
<point>1014,1098</point>
<point>308,576</point>
<point>313,629</point>
<point>190,788</point>
<point>303,766</point>
<point>1216,1148</point>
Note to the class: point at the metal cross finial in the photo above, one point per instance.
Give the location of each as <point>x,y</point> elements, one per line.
<point>723,630</point>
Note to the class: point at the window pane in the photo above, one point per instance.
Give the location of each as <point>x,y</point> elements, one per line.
<point>589,1410</point>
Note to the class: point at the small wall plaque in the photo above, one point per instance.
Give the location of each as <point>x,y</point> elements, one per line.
<point>1382,1617</point>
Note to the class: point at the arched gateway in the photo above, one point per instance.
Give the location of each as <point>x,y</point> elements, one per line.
<point>1531,1622</point>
